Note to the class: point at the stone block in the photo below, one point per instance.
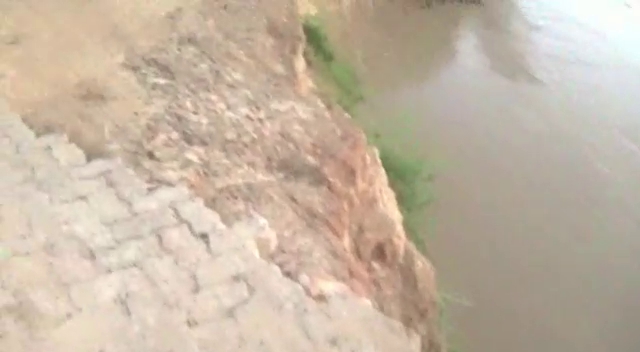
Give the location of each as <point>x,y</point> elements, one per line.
<point>128,253</point>
<point>143,225</point>
<point>94,168</point>
<point>201,219</point>
<point>174,283</point>
<point>159,198</point>
<point>185,248</point>
<point>108,206</point>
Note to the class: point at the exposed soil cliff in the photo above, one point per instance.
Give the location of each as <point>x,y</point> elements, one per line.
<point>214,93</point>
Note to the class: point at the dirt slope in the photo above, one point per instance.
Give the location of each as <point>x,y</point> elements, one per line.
<point>211,93</point>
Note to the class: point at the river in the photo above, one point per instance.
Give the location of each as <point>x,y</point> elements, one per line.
<point>534,107</point>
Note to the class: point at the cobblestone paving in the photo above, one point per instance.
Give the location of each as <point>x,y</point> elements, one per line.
<point>93,259</point>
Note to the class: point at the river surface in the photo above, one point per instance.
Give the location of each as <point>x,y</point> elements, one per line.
<point>534,107</point>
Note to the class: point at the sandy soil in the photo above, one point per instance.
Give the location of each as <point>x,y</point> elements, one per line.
<point>61,63</point>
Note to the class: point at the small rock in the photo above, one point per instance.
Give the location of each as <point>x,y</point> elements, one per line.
<point>267,242</point>
<point>322,289</point>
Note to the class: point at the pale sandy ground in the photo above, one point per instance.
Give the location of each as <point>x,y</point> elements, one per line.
<point>60,62</point>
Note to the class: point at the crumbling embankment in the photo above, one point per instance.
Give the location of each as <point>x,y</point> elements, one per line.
<point>214,94</point>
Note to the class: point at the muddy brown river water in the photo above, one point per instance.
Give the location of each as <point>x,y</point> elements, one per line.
<point>534,105</point>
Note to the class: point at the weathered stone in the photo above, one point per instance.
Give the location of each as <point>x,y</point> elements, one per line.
<point>232,294</point>
<point>129,253</point>
<point>201,219</point>
<point>66,245</point>
<point>205,308</point>
<point>227,336</point>
<point>51,180</point>
<point>269,281</point>
<point>94,168</point>
<point>74,269</point>
<point>102,328</point>
<point>163,329</point>
<point>80,222</point>
<point>183,246</point>
<point>222,269</point>
<point>144,304</point>
<point>47,140</point>
<point>92,232</point>
<point>68,154</point>
<point>13,174</point>
<point>266,242</point>
<point>65,153</point>
<point>256,314</point>
<point>214,303</point>
<point>126,183</point>
<point>6,299</point>
<point>106,289</point>
<point>102,290</point>
<point>78,189</point>
<point>15,233</point>
<point>175,284</point>
<point>15,130</point>
<point>45,306</point>
<point>257,229</point>
<point>322,289</point>
<point>228,241</point>
<point>147,282</point>
<point>108,206</point>
<point>317,326</point>
<point>143,225</point>
<point>159,198</point>
<point>25,272</point>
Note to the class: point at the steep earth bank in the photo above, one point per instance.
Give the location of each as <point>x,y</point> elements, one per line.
<point>214,94</point>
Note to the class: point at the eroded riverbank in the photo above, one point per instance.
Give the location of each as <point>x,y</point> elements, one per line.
<point>211,94</point>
